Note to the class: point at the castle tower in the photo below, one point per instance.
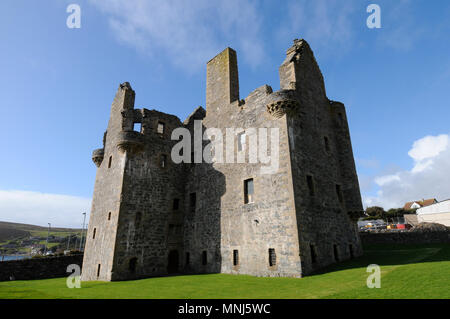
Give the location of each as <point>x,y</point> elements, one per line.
<point>222,81</point>
<point>136,216</point>
<point>325,183</point>
<point>106,202</point>
<point>152,217</point>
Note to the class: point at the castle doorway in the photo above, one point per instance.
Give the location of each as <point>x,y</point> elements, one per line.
<point>172,266</point>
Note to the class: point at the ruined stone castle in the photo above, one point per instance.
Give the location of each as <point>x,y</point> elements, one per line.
<point>152,217</point>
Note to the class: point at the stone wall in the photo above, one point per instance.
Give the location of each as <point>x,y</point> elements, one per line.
<point>223,222</point>
<point>38,268</point>
<point>405,238</point>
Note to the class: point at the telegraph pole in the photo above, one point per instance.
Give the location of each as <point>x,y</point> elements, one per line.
<point>46,243</point>
<point>82,231</point>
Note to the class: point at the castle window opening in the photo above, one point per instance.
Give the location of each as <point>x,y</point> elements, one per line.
<point>248,191</point>
<point>336,252</point>
<point>235,257</point>
<point>93,234</point>
<point>109,216</point>
<point>350,248</point>
<point>160,128</point>
<point>137,127</point>
<point>163,162</point>
<point>272,257</point>
<point>204,258</point>
<point>327,143</point>
<point>98,270</point>
<point>109,162</point>
<point>313,253</point>
<point>132,265</point>
<point>188,258</point>
<point>176,203</point>
<point>339,193</point>
<point>192,201</point>
<point>310,182</point>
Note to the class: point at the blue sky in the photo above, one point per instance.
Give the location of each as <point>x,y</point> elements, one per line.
<point>58,83</point>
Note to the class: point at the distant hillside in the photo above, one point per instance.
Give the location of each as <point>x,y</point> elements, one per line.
<point>10,231</point>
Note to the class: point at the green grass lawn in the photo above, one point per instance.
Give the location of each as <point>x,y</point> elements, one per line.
<point>421,271</point>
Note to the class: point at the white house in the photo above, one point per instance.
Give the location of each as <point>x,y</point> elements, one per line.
<point>420,203</point>
<point>436,213</point>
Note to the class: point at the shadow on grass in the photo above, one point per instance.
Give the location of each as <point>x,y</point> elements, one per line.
<point>391,255</point>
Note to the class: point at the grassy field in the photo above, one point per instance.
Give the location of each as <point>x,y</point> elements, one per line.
<point>421,271</point>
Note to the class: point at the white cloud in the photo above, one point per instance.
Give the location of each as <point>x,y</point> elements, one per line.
<point>187,33</point>
<point>41,208</point>
<point>428,147</point>
<point>427,179</point>
<point>383,180</point>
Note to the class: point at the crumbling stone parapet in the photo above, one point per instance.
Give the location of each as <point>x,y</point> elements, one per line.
<point>130,141</point>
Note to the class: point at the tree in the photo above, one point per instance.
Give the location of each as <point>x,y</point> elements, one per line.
<point>375,212</point>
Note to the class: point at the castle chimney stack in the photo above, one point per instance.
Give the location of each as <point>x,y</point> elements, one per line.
<point>222,82</point>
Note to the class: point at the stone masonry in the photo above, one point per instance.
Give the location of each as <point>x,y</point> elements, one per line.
<point>152,217</point>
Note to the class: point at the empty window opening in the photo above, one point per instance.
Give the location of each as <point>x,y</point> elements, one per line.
<point>176,203</point>
<point>336,252</point>
<point>350,248</point>
<point>163,161</point>
<point>272,257</point>
<point>241,141</point>
<point>109,216</point>
<point>132,265</point>
<point>192,201</point>
<point>137,127</point>
<point>188,258</point>
<point>310,182</point>
<point>327,143</point>
<point>313,253</point>
<point>204,258</point>
<point>339,193</point>
<point>235,257</point>
<point>98,270</point>
<point>248,191</point>
<point>109,162</point>
<point>93,234</point>
<point>160,129</point>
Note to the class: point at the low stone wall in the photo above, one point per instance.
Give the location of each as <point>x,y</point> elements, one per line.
<point>38,268</point>
<point>406,237</point>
